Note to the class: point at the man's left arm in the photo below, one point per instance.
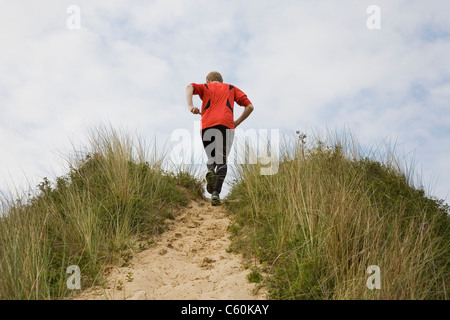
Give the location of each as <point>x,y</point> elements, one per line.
<point>242,100</point>
<point>248,109</point>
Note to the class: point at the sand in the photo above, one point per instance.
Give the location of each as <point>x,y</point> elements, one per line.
<point>190,261</point>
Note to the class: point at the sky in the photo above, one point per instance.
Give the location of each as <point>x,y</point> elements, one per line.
<point>305,65</point>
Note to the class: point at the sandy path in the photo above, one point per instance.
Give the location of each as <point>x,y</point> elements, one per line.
<point>189,261</point>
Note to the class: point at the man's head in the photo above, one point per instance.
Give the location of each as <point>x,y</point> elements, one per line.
<point>214,77</point>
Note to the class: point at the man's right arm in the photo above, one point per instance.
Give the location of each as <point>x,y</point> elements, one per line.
<point>190,103</point>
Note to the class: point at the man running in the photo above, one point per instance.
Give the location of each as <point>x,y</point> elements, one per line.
<point>217,125</point>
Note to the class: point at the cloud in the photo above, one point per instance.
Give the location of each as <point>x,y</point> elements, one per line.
<point>303,64</point>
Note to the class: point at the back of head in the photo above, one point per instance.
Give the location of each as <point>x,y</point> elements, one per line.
<point>214,76</point>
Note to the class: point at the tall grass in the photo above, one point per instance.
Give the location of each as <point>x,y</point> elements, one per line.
<point>330,213</point>
<point>115,192</point>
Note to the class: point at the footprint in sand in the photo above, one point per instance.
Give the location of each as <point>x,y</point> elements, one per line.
<point>165,274</point>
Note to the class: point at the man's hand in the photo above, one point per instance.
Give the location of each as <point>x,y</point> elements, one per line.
<point>194,110</point>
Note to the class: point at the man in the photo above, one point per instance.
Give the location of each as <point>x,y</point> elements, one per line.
<point>217,125</point>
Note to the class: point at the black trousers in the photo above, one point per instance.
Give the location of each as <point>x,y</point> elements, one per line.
<point>217,142</point>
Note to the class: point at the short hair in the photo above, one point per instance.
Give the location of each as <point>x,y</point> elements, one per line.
<point>214,76</point>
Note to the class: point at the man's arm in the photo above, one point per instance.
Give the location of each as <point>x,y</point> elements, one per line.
<point>248,109</point>
<point>190,103</point>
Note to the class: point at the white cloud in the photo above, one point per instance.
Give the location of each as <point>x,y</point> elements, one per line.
<point>302,63</point>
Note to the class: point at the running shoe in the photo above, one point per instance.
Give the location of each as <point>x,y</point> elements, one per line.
<point>215,199</point>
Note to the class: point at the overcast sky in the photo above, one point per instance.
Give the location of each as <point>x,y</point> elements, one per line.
<point>305,65</point>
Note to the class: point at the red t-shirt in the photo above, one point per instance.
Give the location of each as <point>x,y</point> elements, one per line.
<point>218,103</point>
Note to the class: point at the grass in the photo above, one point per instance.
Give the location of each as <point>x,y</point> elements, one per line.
<point>315,226</point>
<point>329,213</point>
<point>112,196</point>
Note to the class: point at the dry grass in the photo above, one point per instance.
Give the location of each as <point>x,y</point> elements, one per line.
<point>114,193</point>
<point>329,213</point>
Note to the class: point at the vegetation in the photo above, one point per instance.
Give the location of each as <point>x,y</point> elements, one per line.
<point>330,213</point>
<point>315,226</point>
<point>91,217</point>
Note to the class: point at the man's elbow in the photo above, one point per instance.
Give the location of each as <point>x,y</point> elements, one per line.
<point>250,107</point>
<point>190,90</point>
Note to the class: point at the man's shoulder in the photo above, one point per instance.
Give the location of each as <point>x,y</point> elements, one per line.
<point>228,86</point>
<point>221,86</point>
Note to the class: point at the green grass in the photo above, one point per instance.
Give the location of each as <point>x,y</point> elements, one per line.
<point>111,197</point>
<point>315,226</point>
<point>329,213</point>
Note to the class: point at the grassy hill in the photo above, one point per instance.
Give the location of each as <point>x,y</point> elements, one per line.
<point>91,217</point>
<point>315,227</point>
<point>329,214</point>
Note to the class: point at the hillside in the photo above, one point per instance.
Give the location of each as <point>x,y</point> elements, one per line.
<point>112,198</point>
<point>330,213</point>
<point>310,231</point>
